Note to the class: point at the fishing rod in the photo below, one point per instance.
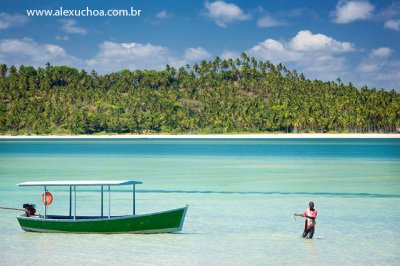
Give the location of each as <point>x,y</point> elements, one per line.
<point>29,209</point>
<point>13,209</point>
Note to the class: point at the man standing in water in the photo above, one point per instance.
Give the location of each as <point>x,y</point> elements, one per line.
<point>310,214</point>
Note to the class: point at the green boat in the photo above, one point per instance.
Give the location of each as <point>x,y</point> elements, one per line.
<point>159,222</point>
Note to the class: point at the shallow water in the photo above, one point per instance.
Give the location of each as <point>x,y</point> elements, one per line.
<point>242,194</point>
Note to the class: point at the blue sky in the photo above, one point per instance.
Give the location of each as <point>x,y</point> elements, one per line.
<point>356,41</point>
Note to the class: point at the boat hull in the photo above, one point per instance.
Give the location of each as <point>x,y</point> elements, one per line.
<point>160,222</point>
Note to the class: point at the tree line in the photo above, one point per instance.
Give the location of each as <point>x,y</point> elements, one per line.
<point>218,96</point>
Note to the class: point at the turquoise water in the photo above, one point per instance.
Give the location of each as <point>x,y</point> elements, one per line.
<point>242,194</point>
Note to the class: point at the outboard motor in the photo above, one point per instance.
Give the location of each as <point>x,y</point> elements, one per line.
<point>29,209</point>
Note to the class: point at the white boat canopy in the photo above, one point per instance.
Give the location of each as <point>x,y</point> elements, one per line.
<point>82,183</point>
<point>79,183</point>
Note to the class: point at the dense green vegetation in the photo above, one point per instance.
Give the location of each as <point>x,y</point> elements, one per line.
<point>218,96</point>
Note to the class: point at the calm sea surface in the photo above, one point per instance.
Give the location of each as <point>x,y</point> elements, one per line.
<point>241,194</point>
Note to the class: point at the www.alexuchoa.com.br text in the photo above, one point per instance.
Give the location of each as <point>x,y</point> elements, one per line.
<point>85,12</point>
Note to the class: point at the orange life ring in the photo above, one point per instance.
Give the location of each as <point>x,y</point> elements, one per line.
<point>47,198</point>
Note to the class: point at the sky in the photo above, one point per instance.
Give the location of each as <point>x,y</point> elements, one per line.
<point>355,41</point>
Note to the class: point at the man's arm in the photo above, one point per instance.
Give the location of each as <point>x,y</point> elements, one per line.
<point>305,216</point>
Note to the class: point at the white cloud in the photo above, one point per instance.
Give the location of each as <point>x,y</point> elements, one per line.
<point>316,55</point>
<point>324,67</point>
<point>390,12</point>
<point>306,41</point>
<point>225,13</point>
<point>377,60</point>
<point>322,57</point>
<point>9,21</point>
<point>379,70</point>
<point>273,51</point>
<point>71,26</point>
<point>55,50</point>
<point>114,56</point>
<point>196,54</point>
<point>111,56</point>
<point>392,24</point>
<point>162,15</point>
<point>390,77</point>
<point>269,44</point>
<point>27,52</point>
<point>229,54</point>
<point>381,52</point>
<point>301,12</point>
<point>349,11</point>
<point>62,38</point>
<point>267,21</point>
<point>368,67</point>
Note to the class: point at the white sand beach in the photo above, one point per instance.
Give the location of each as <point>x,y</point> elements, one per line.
<point>210,136</point>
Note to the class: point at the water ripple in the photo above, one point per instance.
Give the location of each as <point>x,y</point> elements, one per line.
<point>334,194</point>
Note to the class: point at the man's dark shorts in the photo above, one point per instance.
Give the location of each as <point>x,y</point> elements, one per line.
<point>309,232</point>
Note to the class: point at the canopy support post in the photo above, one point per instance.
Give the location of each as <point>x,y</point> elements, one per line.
<point>133,200</point>
<point>74,202</point>
<point>70,201</point>
<point>109,202</point>
<point>45,205</point>
<point>102,201</point>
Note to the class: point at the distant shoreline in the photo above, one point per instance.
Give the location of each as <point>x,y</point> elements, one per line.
<point>210,136</point>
